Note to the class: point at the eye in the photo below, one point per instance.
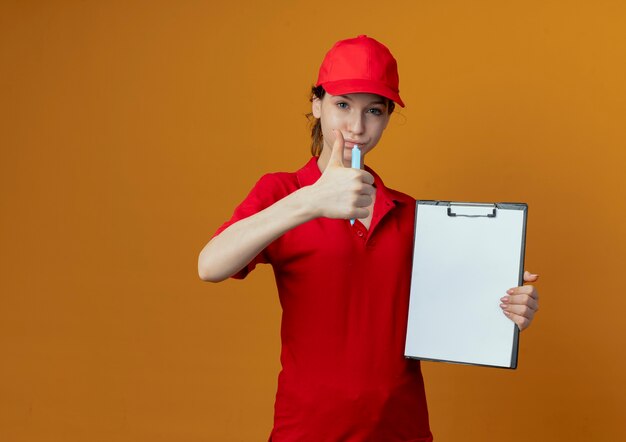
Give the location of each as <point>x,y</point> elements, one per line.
<point>375,111</point>
<point>342,105</point>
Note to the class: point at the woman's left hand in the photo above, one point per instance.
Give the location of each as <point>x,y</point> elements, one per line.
<point>521,303</point>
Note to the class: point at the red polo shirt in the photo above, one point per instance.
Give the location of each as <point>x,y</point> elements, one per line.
<point>344,291</point>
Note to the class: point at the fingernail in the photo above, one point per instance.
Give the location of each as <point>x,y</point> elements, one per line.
<point>503,306</point>
<point>506,313</point>
<point>504,299</point>
<point>510,291</point>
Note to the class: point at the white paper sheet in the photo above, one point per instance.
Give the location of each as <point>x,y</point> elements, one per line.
<point>462,266</point>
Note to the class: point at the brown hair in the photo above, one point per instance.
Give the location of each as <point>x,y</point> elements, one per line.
<point>317,139</point>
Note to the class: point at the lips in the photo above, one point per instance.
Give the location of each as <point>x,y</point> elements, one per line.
<point>351,144</point>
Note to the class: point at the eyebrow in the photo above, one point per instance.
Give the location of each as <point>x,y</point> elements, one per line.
<point>370,103</point>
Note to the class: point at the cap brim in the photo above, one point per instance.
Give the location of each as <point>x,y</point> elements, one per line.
<point>359,86</point>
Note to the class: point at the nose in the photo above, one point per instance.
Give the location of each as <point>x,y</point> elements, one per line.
<point>356,125</point>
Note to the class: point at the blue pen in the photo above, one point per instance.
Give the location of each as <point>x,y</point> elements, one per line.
<point>356,164</point>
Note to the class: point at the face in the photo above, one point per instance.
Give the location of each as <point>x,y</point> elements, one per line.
<point>361,118</point>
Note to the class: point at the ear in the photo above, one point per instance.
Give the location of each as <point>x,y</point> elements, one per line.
<point>316,107</point>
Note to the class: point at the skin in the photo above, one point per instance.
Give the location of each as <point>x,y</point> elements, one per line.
<point>349,120</point>
<point>360,119</point>
<point>521,303</point>
<point>340,193</point>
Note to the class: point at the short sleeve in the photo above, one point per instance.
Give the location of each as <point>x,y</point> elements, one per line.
<point>269,189</point>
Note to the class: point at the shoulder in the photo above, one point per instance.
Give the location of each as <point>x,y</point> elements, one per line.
<point>284,183</point>
<point>276,184</point>
<point>272,187</point>
<point>269,189</point>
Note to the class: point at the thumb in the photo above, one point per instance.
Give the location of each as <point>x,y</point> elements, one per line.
<point>336,153</point>
<point>530,277</point>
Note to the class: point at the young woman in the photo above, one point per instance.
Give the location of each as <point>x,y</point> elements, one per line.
<point>343,287</point>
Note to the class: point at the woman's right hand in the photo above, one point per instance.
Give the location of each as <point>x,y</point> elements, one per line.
<point>341,192</point>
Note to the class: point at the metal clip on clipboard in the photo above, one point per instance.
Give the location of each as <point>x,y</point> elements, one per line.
<point>458,210</point>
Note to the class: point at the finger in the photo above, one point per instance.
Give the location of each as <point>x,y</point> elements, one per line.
<point>361,187</point>
<point>363,201</point>
<point>361,213</point>
<point>520,321</point>
<point>530,277</point>
<point>529,290</point>
<point>521,300</point>
<point>367,177</point>
<point>336,153</point>
<point>367,189</point>
<point>520,310</point>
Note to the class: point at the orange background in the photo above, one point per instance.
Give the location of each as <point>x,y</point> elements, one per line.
<point>130,130</point>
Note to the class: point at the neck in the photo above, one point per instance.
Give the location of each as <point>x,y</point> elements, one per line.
<point>322,160</point>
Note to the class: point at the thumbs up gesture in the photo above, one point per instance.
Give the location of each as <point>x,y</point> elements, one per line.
<point>342,192</point>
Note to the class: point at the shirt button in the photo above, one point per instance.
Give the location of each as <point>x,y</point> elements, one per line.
<point>360,233</point>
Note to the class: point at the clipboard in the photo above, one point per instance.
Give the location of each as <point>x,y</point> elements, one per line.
<point>465,257</point>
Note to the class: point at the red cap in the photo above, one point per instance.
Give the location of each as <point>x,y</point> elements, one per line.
<point>360,65</point>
